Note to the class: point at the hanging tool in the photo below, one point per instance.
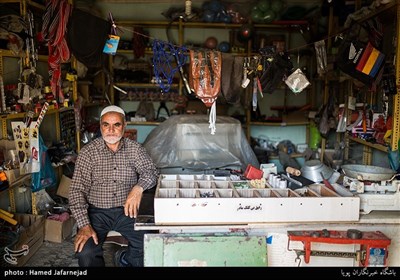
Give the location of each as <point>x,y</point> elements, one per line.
<point>364,120</point>
<point>327,184</point>
<point>162,106</point>
<point>178,55</point>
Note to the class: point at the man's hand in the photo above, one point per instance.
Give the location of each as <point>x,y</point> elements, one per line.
<point>83,235</point>
<point>131,206</point>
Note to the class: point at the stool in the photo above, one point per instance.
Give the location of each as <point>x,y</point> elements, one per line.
<point>115,237</point>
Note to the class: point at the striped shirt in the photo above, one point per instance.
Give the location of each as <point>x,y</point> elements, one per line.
<point>104,178</point>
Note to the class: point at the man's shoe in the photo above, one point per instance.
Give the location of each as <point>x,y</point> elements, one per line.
<point>119,258</point>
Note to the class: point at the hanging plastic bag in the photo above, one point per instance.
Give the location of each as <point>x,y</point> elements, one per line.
<point>320,53</point>
<point>297,81</point>
<point>46,177</point>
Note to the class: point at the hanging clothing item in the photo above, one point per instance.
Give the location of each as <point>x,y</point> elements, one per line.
<point>55,20</point>
<point>205,79</point>
<point>87,35</point>
<point>138,42</point>
<point>276,67</point>
<point>231,78</point>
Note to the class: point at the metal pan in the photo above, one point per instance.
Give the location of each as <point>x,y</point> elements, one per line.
<point>368,172</point>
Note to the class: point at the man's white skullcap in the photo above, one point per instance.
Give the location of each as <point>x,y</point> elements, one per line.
<point>112,108</point>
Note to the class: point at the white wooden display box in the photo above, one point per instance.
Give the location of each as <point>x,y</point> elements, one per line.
<point>199,200</point>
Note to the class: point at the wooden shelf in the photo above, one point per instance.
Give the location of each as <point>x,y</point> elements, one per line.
<point>129,51</point>
<point>12,116</point>
<point>372,145</point>
<point>142,123</point>
<point>280,123</point>
<point>293,155</point>
<point>8,53</point>
<point>191,24</point>
<point>20,179</point>
<point>142,85</point>
<point>151,24</point>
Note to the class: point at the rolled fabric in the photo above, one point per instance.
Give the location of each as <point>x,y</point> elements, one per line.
<point>293,171</point>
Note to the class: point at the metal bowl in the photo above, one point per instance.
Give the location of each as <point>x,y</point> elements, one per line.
<point>368,172</point>
<point>312,170</point>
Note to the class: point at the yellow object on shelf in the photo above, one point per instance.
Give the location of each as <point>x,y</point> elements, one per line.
<point>387,136</point>
<point>6,213</point>
<point>7,218</point>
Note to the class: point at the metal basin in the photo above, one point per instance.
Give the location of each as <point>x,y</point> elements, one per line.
<point>368,172</point>
<point>312,170</point>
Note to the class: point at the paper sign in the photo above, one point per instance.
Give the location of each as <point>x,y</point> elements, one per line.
<point>27,144</point>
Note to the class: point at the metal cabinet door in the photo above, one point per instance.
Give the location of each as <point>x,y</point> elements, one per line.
<point>204,250</point>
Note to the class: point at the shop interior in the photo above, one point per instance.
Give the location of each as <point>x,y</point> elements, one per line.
<point>275,127</point>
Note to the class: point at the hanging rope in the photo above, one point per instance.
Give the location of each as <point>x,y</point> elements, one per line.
<point>55,20</point>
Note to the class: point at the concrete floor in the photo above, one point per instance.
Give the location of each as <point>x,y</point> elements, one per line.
<point>52,254</point>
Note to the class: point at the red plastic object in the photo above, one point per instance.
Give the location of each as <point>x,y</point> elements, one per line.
<point>368,241</point>
<point>253,172</point>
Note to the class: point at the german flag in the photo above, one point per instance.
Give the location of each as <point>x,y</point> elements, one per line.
<point>371,61</point>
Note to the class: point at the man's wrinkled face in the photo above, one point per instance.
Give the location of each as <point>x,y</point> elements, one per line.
<point>112,127</point>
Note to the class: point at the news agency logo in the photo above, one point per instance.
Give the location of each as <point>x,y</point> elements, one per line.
<point>12,256</point>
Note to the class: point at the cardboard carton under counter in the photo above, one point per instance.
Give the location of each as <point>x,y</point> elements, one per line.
<point>57,231</point>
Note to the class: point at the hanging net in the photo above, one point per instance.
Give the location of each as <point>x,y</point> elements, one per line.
<point>167,59</point>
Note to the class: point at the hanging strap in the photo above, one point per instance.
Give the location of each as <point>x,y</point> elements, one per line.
<point>212,118</point>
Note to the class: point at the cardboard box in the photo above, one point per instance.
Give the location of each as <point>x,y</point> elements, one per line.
<point>12,175</point>
<point>63,187</point>
<point>56,231</point>
<point>32,235</point>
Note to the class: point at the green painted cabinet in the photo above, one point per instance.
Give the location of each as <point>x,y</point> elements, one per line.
<point>204,250</point>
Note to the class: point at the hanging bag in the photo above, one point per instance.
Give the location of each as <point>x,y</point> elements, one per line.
<point>205,70</point>
<point>359,52</point>
<point>46,177</point>
<point>205,79</point>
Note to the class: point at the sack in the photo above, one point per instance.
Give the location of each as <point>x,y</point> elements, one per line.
<point>86,37</point>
